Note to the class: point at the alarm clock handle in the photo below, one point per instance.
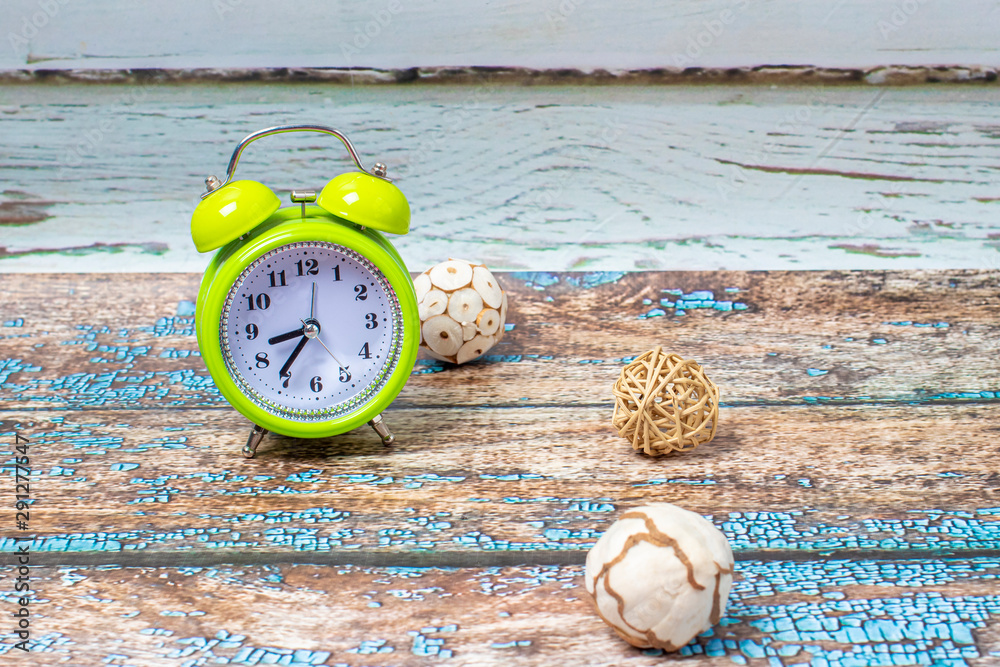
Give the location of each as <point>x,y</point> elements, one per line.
<point>214,184</point>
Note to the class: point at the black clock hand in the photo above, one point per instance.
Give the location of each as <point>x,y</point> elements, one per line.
<point>281,338</point>
<point>288,364</point>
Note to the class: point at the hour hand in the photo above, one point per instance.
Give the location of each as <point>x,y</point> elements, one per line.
<point>281,338</point>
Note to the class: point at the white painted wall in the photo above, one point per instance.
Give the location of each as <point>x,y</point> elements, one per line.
<point>584,34</point>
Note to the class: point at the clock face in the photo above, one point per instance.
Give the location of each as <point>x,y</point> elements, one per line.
<point>311,331</point>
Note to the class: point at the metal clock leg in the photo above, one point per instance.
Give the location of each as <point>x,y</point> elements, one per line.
<point>256,435</point>
<point>383,431</point>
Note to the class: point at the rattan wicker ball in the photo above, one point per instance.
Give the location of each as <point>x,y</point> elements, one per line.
<point>664,404</point>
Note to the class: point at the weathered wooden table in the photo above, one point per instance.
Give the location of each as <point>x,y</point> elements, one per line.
<point>854,472</point>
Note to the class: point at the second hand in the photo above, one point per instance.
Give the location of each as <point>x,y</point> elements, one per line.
<point>320,341</point>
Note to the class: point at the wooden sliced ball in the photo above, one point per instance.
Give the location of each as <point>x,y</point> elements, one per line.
<point>451,275</point>
<point>488,321</point>
<point>434,303</point>
<point>475,348</point>
<point>660,576</point>
<point>484,283</point>
<point>462,310</point>
<point>442,334</point>
<point>464,305</point>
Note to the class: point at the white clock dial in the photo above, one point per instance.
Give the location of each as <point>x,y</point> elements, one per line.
<point>311,331</point>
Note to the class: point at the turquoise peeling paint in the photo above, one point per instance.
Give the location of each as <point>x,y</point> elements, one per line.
<point>555,523</point>
<point>10,366</point>
<point>919,325</point>
<point>370,646</point>
<point>170,326</point>
<point>805,612</point>
<point>190,389</point>
<point>119,385</point>
<point>680,303</point>
<point>185,308</point>
<point>91,390</point>
<point>595,278</point>
<point>916,628</point>
<point>678,480</point>
<point>536,279</point>
<point>771,578</point>
<point>430,646</point>
<point>937,529</point>
<point>539,280</point>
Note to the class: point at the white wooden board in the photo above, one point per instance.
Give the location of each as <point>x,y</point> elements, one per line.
<point>540,34</point>
<point>104,178</point>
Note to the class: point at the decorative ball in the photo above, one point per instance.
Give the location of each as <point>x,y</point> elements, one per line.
<point>462,310</point>
<point>665,404</point>
<point>660,576</point>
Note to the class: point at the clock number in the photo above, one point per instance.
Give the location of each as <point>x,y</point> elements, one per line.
<point>252,331</point>
<point>262,360</point>
<point>345,375</point>
<point>336,273</point>
<point>365,353</point>
<point>371,322</point>
<point>263,301</point>
<point>280,282</point>
<point>362,293</point>
<point>312,267</point>
<point>316,385</point>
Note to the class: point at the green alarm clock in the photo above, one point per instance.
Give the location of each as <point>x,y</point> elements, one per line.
<point>307,316</point>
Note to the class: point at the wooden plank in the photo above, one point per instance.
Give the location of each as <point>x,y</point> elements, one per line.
<point>516,454</point>
<point>579,177</point>
<point>120,485</point>
<point>547,34</point>
<point>787,338</point>
<point>825,613</point>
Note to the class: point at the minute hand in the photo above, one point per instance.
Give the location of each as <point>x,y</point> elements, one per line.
<point>288,364</point>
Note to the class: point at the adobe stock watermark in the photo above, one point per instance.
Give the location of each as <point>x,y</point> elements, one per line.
<point>710,31</point>
<point>899,17</point>
<point>453,120</point>
<point>223,7</point>
<point>541,200</point>
<point>887,201</point>
<point>791,123</point>
<point>371,30</point>
<point>991,260</point>
<point>31,25</point>
<point>91,139</point>
<point>565,9</point>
